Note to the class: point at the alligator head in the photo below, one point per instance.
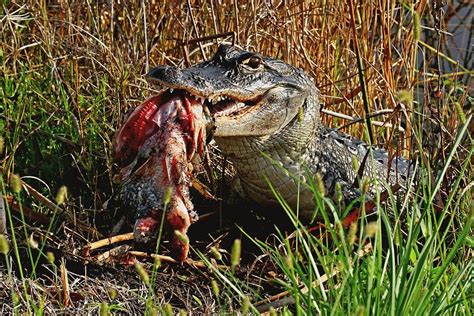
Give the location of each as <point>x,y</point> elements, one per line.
<point>247,93</point>
<point>259,105</point>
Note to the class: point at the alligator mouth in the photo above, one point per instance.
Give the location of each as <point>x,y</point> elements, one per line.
<point>220,105</point>
<point>228,106</point>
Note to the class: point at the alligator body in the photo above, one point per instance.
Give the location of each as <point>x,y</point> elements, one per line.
<point>266,116</point>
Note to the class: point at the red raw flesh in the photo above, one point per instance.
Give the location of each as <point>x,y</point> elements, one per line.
<point>175,129</point>
<point>138,127</point>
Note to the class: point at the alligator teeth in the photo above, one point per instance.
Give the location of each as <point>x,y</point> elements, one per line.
<point>213,100</point>
<point>217,98</point>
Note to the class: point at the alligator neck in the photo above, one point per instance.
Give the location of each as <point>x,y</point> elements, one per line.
<point>287,149</point>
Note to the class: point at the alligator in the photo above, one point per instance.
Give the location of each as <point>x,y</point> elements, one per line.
<point>265,118</point>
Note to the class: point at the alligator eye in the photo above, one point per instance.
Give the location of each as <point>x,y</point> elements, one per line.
<point>253,62</point>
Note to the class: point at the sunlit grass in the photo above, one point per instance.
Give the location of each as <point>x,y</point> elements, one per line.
<point>367,268</point>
